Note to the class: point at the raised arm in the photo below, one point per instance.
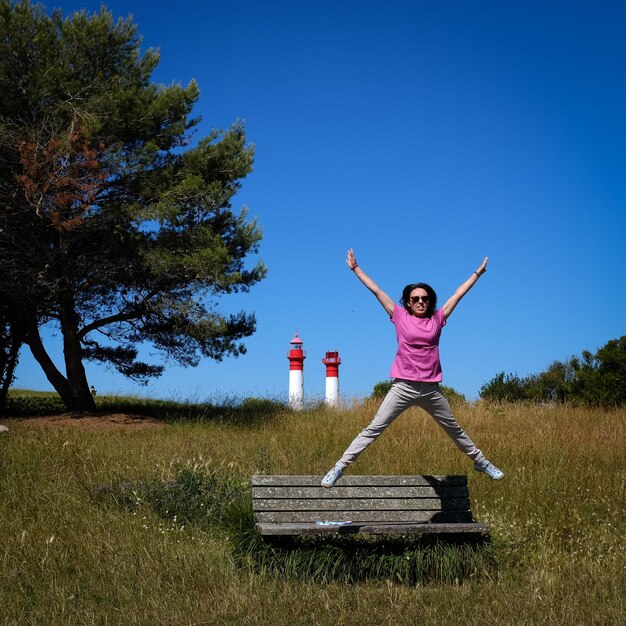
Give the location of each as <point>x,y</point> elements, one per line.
<point>382,297</point>
<point>450,305</point>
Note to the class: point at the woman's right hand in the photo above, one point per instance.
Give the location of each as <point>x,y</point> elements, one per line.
<point>350,260</point>
<point>382,297</point>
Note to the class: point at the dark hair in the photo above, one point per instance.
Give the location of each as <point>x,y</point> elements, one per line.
<point>432,302</point>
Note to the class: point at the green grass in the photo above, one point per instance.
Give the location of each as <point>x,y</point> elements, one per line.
<point>26,403</point>
<point>108,526</point>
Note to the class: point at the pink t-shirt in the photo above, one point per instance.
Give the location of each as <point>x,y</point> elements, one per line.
<point>418,346</point>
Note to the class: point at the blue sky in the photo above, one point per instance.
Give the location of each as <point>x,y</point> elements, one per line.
<point>425,135</point>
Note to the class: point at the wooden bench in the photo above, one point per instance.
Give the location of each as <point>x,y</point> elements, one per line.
<point>298,505</point>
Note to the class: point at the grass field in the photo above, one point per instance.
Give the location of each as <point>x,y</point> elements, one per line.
<point>103,523</point>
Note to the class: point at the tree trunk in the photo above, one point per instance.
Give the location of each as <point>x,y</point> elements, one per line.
<point>74,390</point>
<point>57,380</point>
<point>81,398</point>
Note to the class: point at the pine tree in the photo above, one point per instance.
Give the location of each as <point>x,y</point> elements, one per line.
<point>113,228</point>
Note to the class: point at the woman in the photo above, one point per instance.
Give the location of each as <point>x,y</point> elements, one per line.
<point>416,369</point>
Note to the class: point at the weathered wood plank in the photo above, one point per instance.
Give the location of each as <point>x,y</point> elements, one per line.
<point>287,517</point>
<point>361,504</point>
<point>444,491</point>
<point>373,529</point>
<point>290,505</point>
<point>355,481</point>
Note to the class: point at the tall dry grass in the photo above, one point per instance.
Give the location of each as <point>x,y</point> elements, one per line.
<point>557,521</point>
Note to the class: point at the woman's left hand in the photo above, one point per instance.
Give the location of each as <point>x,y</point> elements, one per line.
<point>483,267</point>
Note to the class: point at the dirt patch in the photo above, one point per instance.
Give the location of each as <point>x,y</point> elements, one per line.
<point>90,421</point>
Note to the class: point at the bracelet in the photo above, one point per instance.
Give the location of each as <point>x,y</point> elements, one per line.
<point>477,274</point>
<point>355,266</point>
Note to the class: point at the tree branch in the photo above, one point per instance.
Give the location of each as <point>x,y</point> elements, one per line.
<point>111,319</point>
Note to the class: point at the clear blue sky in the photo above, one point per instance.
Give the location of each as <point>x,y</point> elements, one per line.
<point>426,135</point>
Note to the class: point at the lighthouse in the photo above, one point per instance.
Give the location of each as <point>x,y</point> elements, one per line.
<point>332,363</point>
<point>296,358</point>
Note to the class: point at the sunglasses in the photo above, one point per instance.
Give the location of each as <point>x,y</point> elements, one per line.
<point>416,299</point>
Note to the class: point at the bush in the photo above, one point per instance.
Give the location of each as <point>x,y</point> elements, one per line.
<point>452,395</point>
<point>504,388</point>
<point>382,388</point>
<point>596,380</point>
<point>31,405</point>
<point>601,378</point>
<point>195,495</point>
<point>257,407</point>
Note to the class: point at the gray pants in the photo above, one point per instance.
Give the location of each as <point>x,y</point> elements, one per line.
<point>402,395</point>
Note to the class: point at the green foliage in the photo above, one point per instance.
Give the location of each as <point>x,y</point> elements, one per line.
<point>601,379</point>
<point>504,387</point>
<point>111,224</point>
<point>381,389</point>
<point>452,395</point>
<point>194,495</point>
<point>262,406</point>
<point>33,405</point>
<point>597,380</point>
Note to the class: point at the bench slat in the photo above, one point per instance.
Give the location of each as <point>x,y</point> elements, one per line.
<point>373,529</point>
<point>361,504</point>
<point>444,491</point>
<point>283,517</point>
<point>260,480</point>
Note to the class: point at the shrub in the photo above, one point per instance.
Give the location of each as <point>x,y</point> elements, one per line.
<point>257,407</point>
<point>594,379</point>
<point>381,389</point>
<point>195,495</point>
<point>505,388</point>
<point>452,395</point>
<point>31,405</point>
<point>601,378</point>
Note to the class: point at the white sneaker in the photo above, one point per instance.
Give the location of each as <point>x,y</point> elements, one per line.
<point>3,429</point>
<point>489,468</point>
<point>332,477</point>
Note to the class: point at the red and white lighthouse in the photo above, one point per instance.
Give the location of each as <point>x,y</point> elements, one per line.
<point>296,358</point>
<point>332,363</point>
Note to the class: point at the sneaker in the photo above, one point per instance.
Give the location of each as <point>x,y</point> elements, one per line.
<point>332,477</point>
<point>489,468</point>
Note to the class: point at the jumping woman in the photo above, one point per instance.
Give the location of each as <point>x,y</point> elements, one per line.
<point>416,370</point>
